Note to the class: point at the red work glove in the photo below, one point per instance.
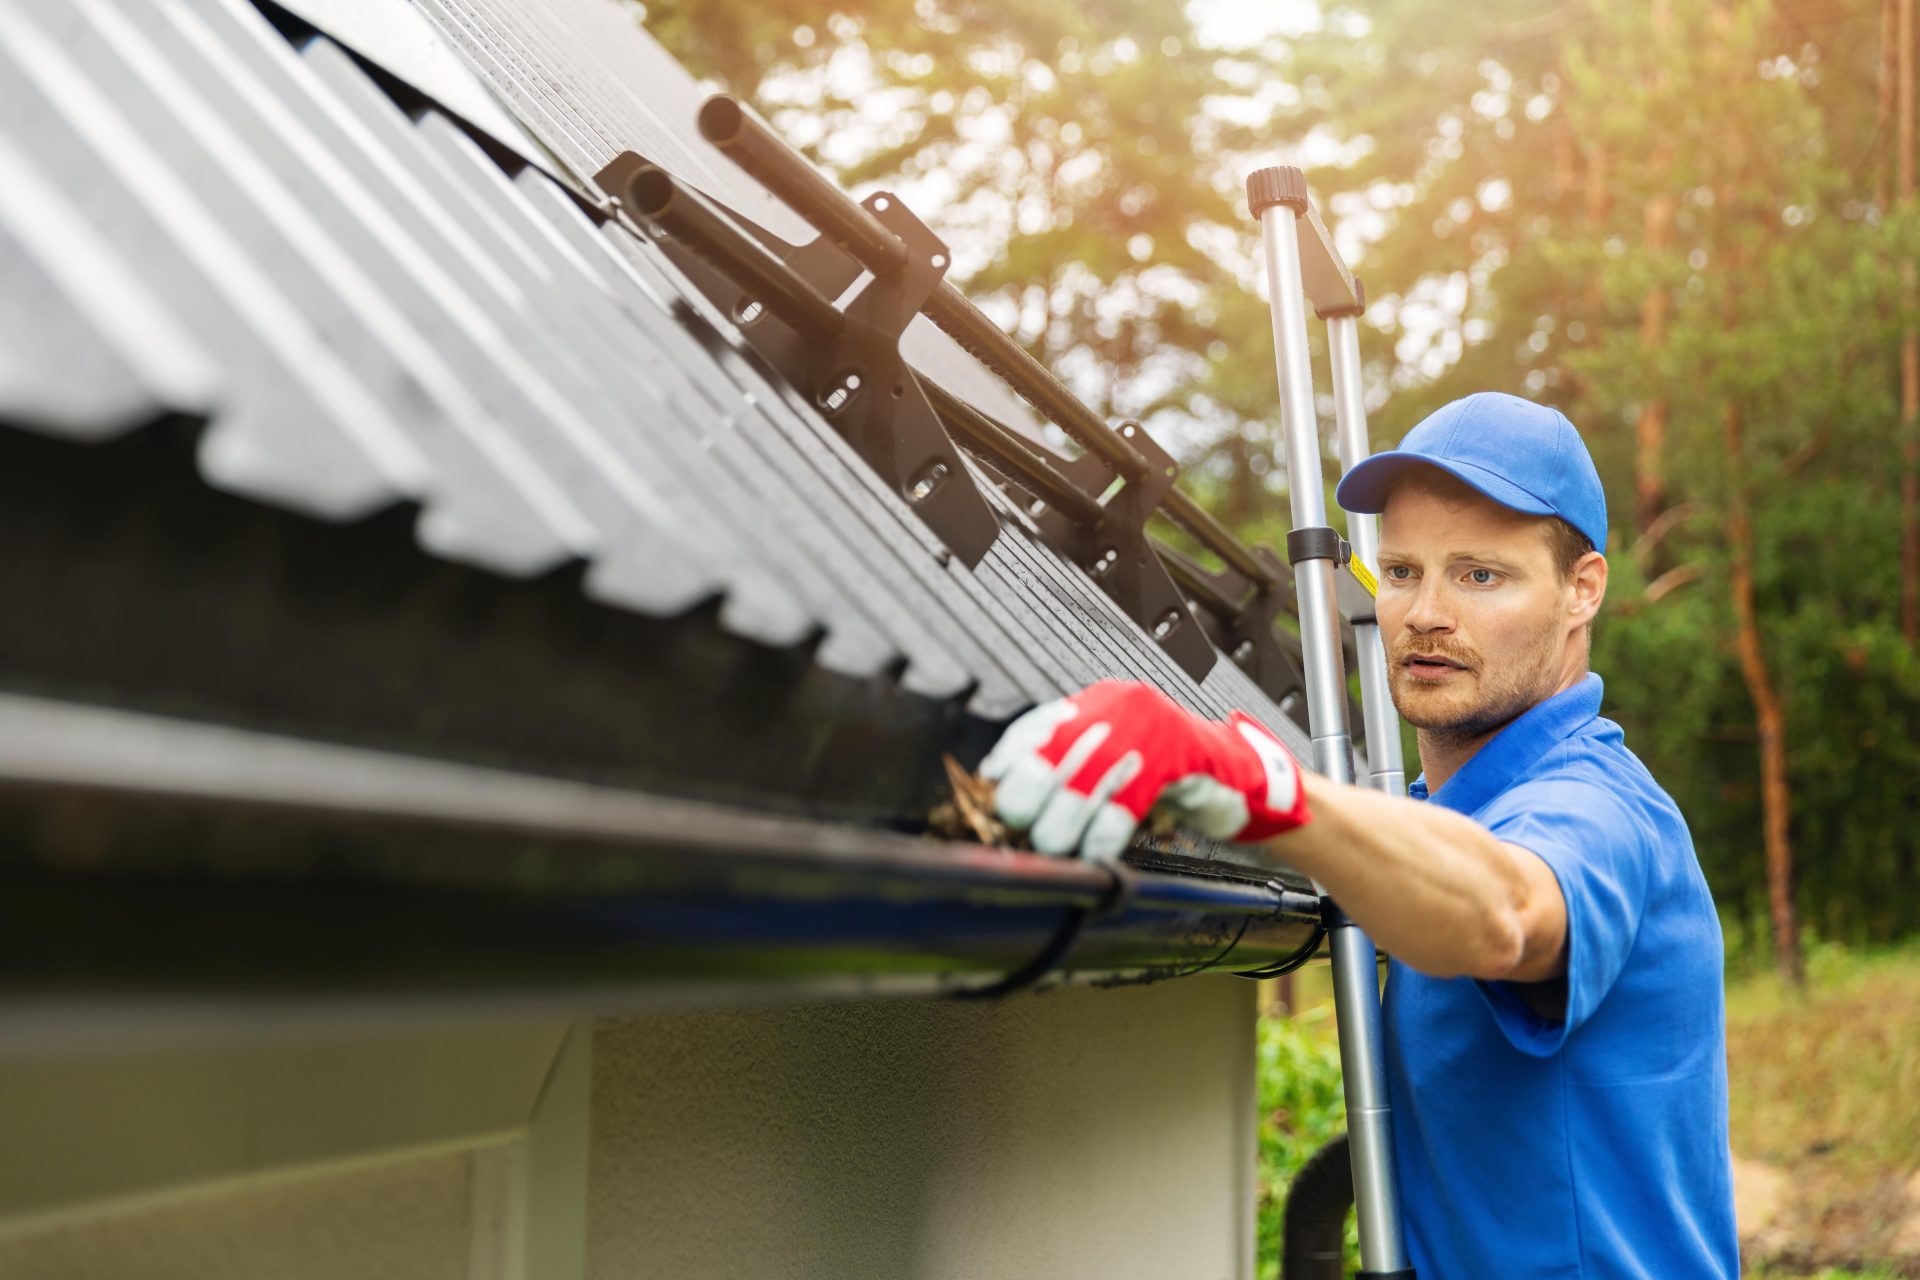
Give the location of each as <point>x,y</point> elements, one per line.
<point>1083,771</point>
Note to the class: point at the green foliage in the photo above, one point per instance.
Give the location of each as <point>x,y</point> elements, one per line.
<point>1563,169</point>
<point>1072,141</point>
<point>1302,1108</point>
<point>1535,185</point>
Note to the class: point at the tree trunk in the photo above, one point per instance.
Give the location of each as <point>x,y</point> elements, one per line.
<point>1909,356</point>
<point>1888,79</point>
<point>1244,495</point>
<point>1598,201</point>
<point>1769,718</point>
<point>1565,163</point>
<point>1650,430</point>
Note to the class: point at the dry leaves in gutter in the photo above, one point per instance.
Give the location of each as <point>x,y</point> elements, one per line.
<point>967,814</point>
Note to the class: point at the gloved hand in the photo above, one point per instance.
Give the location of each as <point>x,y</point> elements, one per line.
<point>1083,771</point>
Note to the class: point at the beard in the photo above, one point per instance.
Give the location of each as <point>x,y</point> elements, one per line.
<point>1497,696</point>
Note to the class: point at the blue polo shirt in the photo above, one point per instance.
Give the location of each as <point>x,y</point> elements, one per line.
<point>1593,1145</point>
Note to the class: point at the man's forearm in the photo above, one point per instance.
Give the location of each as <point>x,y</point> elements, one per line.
<point>1433,888</point>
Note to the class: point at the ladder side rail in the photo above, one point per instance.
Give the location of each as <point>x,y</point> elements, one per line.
<point>1385,760</point>
<point>1278,198</point>
<point>1313,579</point>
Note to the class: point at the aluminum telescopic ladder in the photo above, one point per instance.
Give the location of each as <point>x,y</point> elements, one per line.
<point>1304,267</point>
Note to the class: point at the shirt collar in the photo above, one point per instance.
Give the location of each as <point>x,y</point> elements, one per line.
<point>1515,749</point>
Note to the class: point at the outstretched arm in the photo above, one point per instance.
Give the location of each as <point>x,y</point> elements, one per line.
<point>1434,888</point>
<point>1431,887</point>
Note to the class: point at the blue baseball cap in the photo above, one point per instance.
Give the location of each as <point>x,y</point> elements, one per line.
<point>1521,454</point>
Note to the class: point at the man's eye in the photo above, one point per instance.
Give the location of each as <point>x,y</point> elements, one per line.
<point>1482,577</point>
<point>1398,572</point>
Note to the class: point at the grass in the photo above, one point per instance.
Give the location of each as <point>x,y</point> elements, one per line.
<point>1832,1070</point>
<point>1831,1273</point>
<point>1826,1086</point>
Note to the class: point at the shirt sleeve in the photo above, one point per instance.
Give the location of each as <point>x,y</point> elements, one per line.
<point>1600,852</point>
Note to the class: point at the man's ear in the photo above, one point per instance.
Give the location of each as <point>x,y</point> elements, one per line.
<point>1589,586</point>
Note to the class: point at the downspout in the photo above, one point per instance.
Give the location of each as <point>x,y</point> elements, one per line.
<point>1316,1215</point>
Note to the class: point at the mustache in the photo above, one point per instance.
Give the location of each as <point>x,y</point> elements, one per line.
<point>1434,647</point>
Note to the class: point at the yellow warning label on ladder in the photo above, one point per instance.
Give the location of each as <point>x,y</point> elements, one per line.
<point>1365,577</point>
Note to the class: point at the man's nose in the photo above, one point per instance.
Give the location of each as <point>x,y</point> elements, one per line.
<point>1428,611</point>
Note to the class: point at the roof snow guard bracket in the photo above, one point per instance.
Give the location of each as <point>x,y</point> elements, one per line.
<point>1115,552</point>
<point>846,361</point>
<point>1066,499</point>
<point>1238,611</point>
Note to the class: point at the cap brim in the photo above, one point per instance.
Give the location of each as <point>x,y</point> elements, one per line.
<point>1365,489</point>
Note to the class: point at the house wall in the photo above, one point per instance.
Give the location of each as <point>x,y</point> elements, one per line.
<point>1081,1133</point>
<point>1078,1133</point>
<point>409,1217</point>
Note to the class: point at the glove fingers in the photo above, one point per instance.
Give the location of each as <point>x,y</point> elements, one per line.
<point>1031,780</point>
<point>1082,772</point>
<point>1142,792</point>
<point>1206,804</point>
<point>1025,736</point>
<point>1109,833</point>
<point>1022,789</point>
<point>1067,814</point>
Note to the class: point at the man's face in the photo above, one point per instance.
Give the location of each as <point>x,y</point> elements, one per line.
<point>1474,612</point>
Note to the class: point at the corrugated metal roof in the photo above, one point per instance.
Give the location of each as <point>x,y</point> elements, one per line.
<point>213,216</point>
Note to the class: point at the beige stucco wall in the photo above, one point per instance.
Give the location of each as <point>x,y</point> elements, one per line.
<point>1078,1133</point>
<point>405,1220</point>
<point>1082,1133</point>
<point>400,1144</point>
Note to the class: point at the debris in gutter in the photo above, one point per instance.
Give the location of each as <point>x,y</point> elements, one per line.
<point>967,814</point>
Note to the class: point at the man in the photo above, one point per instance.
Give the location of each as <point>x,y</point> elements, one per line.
<point>1555,1036</point>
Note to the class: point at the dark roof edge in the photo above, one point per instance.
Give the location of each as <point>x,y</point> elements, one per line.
<point>205,860</point>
